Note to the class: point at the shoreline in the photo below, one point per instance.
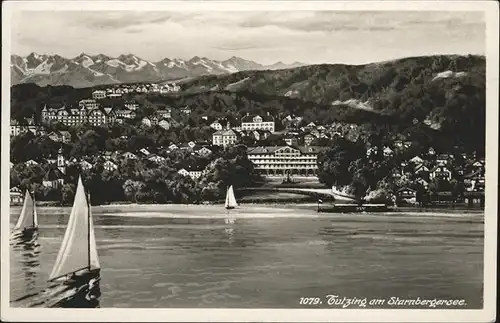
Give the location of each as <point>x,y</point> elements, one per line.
<point>169,210</point>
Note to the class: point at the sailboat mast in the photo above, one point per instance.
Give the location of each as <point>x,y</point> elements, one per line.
<point>88,227</point>
<point>33,211</point>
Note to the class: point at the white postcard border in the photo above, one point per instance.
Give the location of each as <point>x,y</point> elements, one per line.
<point>490,8</point>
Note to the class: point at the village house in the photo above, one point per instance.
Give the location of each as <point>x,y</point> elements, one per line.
<point>260,134</point>
<point>131,106</point>
<point>144,152</point>
<point>16,196</point>
<point>257,122</point>
<point>165,113</point>
<point>195,173</point>
<point>98,94</point>
<point>204,151</point>
<point>110,166</point>
<point>65,136</point>
<point>388,152</point>
<point>146,122</point>
<point>315,133</point>
<point>216,125</point>
<point>126,114</point>
<point>85,165</point>
<point>417,160</point>
<point>156,159</point>
<point>129,155</point>
<point>31,162</point>
<point>310,126</point>
<point>191,144</point>
<point>308,139</point>
<point>88,104</point>
<point>173,147</point>
<point>371,151</point>
<point>478,165</point>
<point>290,140</point>
<point>225,137</point>
<point>107,155</point>
<point>475,182</point>
<point>441,172</point>
<point>406,195</point>
<point>15,128</point>
<point>291,121</point>
<point>183,172</point>
<point>185,110</point>
<point>443,159</point>
<point>164,124</point>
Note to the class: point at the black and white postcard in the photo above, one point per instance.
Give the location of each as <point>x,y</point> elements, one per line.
<point>249,161</point>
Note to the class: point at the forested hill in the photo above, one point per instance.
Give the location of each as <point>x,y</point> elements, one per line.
<point>444,92</point>
<point>327,83</point>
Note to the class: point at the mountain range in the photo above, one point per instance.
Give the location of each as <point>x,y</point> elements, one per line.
<point>91,70</point>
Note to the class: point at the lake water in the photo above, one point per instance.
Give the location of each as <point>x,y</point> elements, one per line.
<point>263,256</point>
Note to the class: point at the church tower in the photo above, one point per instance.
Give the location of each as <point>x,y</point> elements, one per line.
<point>61,163</point>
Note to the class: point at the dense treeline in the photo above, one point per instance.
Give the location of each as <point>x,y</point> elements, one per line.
<point>347,165</point>
<point>142,180</point>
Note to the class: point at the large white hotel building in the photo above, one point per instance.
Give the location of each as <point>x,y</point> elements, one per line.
<point>285,160</point>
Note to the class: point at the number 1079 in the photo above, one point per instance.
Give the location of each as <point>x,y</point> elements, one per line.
<point>309,301</point>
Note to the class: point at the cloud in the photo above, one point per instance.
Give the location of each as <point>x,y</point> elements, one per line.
<point>266,37</point>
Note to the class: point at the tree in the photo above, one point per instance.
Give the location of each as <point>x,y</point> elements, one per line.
<point>132,188</point>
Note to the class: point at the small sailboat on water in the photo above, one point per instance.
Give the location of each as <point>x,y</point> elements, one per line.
<point>28,219</point>
<point>78,256</point>
<point>230,199</point>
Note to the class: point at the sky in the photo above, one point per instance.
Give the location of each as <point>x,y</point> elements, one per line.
<point>312,37</point>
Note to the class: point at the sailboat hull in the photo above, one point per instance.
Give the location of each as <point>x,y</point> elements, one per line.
<point>29,231</point>
<point>79,277</point>
<point>25,234</point>
<point>229,207</point>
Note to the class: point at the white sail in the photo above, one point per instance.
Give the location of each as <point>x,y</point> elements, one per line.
<point>230,199</point>
<point>28,217</point>
<point>94,257</point>
<point>79,241</point>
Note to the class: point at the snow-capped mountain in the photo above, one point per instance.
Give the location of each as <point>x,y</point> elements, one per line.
<point>90,70</point>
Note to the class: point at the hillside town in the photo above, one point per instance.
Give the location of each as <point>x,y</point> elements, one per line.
<point>289,153</point>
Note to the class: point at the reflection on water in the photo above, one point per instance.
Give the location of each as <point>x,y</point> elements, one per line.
<point>247,262</point>
<point>27,246</point>
<point>26,251</point>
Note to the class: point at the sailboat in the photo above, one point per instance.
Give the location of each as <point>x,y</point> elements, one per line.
<point>230,199</point>
<point>77,257</point>
<point>28,220</point>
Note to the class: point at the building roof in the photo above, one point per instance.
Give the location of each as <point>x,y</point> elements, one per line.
<point>265,117</point>
<point>478,173</point>
<point>272,149</point>
<point>406,189</point>
<point>226,132</point>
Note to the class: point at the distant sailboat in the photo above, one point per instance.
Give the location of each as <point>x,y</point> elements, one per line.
<point>230,199</point>
<point>28,220</point>
<point>78,254</point>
